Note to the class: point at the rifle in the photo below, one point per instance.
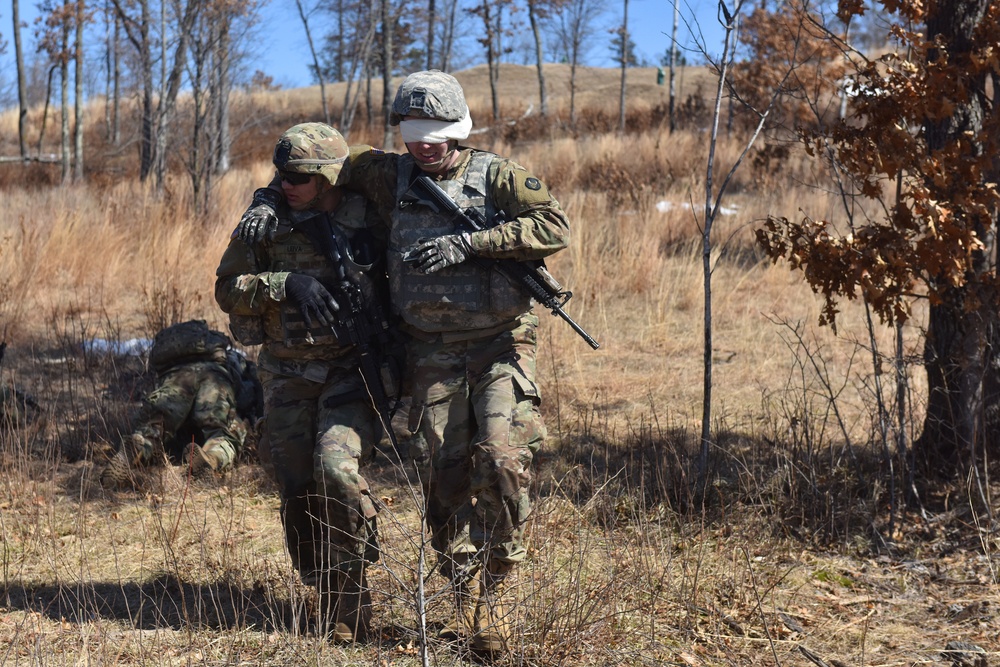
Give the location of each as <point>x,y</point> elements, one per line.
<point>360,321</point>
<point>533,277</point>
<point>361,324</point>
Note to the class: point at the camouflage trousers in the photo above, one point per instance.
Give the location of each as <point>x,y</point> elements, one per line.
<point>197,397</point>
<point>318,435</point>
<point>476,426</point>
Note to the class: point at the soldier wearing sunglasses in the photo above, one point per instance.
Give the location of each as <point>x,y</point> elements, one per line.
<point>319,424</point>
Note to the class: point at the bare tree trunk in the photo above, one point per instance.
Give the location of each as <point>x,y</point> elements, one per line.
<point>78,95</point>
<point>572,93</point>
<point>116,134</point>
<point>159,139</point>
<point>706,260</point>
<point>731,107</point>
<point>388,27</point>
<point>316,66</point>
<point>195,163</point>
<point>138,35</point>
<point>430,33</point>
<point>45,109</point>
<point>543,100</point>
<point>22,86</point>
<point>64,102</point>
<point>449,37</point>
<point>339,64</point>
<point>710,212</point>
<point>107,71</point>
<point>220,94</point>
<point>673,69</point>
<point>360,58</point>
<point>624,63</point>
<point>369,105</point>
<point>167,104</point>
<point>490,39</point>
<point>156,118</point>
<point>960,343</point>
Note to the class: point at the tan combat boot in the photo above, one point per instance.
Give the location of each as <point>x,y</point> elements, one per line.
<point>122,471</point>
<point>462,623</point>
<point>346,609</point>
<point>491,624</point>
<point>200,461</point>
<point>118,474</point>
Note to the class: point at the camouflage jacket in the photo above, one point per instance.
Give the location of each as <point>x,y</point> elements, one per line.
<point>534,227</point>
<point>251,282</point>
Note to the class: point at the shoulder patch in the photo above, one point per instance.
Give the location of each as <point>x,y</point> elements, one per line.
<point>376,151</point>
<point>529,190</point>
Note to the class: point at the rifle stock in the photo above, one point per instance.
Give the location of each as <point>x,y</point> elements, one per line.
<point>363,328</point>
<point>361,322</point>
<point>533,277</point>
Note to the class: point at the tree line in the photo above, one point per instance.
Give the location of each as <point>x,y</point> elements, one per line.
<point>152,50</point>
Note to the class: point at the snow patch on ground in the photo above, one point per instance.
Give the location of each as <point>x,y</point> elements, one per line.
<point>664,206</point>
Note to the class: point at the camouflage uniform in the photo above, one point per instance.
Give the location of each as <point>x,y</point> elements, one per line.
<point>473,351</point>
<point>318,417</point>
<point>475,413</point>
<point>198,396</point>
<point>199,381</point>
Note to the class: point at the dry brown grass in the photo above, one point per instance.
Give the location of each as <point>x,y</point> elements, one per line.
<point>800,543</point>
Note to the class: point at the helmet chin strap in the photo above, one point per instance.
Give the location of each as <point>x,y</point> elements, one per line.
<point>435,166</point>
<point>321,184</point>
<point>324,189</point>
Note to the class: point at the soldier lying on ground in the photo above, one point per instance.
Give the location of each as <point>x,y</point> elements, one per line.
<point>204,388</point>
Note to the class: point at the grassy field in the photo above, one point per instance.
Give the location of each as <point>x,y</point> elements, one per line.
<point>802,555</point>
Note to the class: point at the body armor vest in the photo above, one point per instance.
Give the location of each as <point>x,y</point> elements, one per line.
<point>294,251</point>
<point>462,297</point>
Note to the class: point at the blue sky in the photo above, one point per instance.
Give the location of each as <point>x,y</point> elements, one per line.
<point>650,23</point>
<point>282,52</point>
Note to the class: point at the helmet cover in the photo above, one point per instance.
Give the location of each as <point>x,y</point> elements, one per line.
<point>429,94</point>
<point>311,148</point>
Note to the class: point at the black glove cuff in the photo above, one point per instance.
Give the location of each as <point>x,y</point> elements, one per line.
<point>266,196</point>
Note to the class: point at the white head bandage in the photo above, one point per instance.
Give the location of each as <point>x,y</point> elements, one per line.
<point>430,131</point>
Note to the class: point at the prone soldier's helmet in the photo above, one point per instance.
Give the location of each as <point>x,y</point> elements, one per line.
<point>311,148</point>
<point>429,94</point>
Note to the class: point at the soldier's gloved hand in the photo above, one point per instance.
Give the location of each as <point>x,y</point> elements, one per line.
<point>312,299</point>
<point>259,223</point>
<point>430,255</point>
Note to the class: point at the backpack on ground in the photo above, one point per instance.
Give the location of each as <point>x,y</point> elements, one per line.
<point>187,342</point>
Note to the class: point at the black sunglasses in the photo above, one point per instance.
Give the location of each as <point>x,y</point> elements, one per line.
<point>294,178</point>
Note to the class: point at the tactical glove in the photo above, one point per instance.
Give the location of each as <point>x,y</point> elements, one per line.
<point>312,299</point>
<point>259,223</point>
<point>430,255</point>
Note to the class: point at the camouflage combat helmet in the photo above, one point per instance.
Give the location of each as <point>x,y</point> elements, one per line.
<point>311,148</point>
<point>429,94</point>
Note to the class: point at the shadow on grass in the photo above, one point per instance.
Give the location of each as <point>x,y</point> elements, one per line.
<point>162,603</point>
<point>829,493</point>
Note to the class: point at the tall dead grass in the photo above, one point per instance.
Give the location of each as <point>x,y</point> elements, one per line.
<point>635,203</point>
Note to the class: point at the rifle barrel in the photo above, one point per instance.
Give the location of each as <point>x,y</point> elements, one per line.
<point>577,328</point>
